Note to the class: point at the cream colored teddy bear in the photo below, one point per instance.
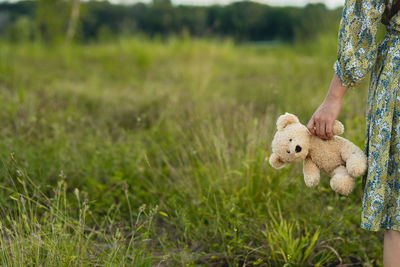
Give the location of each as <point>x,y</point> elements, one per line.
<point>338,157</point>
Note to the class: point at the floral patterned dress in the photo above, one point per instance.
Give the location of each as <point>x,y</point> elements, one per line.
<point>359,53</point>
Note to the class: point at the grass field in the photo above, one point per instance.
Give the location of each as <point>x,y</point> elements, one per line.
<point>142,152</point>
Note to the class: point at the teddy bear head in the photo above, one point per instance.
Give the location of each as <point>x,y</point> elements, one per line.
<point>291,141</point>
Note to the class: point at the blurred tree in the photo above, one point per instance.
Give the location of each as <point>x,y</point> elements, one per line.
<point>51,19</point>
<point>161,18</point>
<point>22,30</point>
<point>73,20</point>
<point>162,2</point>
<point>59,20</point>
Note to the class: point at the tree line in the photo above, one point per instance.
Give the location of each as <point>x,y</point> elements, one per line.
<point>60,20</point>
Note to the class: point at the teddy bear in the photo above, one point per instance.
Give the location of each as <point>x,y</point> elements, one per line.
<point>338,157</point>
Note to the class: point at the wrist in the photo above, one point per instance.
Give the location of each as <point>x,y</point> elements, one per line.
<point>336,90</point>
<point>334,96</point>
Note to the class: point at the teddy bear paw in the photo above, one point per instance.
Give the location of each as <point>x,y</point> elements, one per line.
<point>356,168</point>
<point>357,171</point>
<point>342,185</point>
<point>311,181</point>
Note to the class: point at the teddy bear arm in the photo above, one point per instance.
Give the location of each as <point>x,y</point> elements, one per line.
<point>311,172</point>
<point>338,128</point>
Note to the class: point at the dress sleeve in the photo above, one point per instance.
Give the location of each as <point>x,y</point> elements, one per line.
<point>356,52</point>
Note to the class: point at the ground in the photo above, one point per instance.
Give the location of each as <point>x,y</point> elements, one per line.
<point>154,152</point>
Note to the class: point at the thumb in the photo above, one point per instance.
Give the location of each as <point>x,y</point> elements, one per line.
<point>310,125</point>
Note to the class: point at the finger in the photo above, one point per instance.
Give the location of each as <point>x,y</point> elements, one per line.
<point>310,125</point>
<point>318,128</point>
<point>329,130</point>
<point>324,127</point>
<point>322,130</point>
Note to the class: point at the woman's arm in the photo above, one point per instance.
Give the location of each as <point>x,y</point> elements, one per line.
<point>326,114</point>
<point>356,55</point>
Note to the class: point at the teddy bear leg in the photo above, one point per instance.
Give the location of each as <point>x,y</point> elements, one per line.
<point>356,161</point>
<point>341,181</point>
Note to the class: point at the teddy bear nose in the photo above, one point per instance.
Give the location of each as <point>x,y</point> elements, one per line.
<point>298,148</point>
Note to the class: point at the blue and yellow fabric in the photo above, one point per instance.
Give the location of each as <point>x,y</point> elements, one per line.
<point>358,53</point>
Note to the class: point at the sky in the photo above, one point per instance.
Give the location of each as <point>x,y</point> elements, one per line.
<point>328,3</point>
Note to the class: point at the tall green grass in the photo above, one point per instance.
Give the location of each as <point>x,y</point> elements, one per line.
<point>153,152</point>
<point>49,230</point>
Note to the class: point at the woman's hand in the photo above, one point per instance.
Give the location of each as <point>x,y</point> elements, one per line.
<point>324,117</point>
<point>322,120</point>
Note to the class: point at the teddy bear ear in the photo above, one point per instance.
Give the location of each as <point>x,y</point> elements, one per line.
<point>276,161</point>
<point>286,119</point>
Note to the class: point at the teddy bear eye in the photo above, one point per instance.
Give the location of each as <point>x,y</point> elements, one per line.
<point>290,139</point>
<point>287,151</point>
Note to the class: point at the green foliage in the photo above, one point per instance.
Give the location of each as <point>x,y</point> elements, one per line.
<point>286,248</point>
<point>51,20</point>
<point>180,124</point>
<point>21,31</point>
<point>242,21</point>
<point>52,231</point>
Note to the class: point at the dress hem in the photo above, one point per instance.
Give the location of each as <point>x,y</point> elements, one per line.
<point>381,227</point>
